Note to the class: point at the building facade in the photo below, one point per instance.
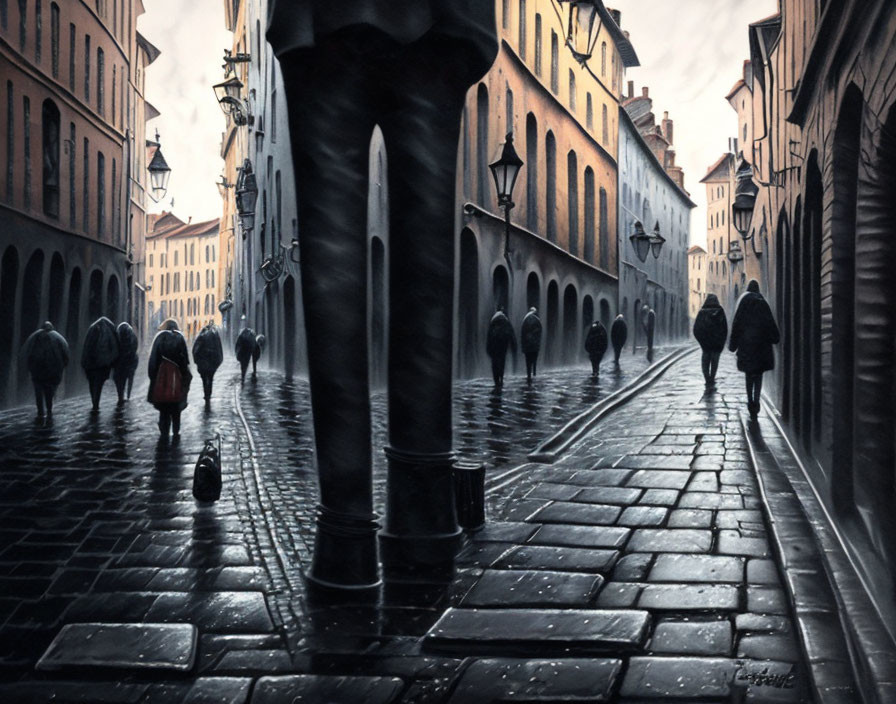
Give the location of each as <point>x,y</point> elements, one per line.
<point>719,182</point>
<point>822,157</point>
<point>651,191</point>
<point>182,272</point>
<point>71,184</point>
<point>697,291</point>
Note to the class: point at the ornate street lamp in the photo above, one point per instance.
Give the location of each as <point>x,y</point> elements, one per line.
<point>580,34</point>
<point>505,171</point>
<point>744,201</point>
<point>159,173</point>
<point>228,96</point>
<point>246,195</point>
<point>656,241</point>
<point>735,253</point>
<point>641,241</point>
<point>223,185</point>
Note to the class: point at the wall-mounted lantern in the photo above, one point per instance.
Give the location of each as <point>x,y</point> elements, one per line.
<point>159,173</point>
<point>505,171</point>
<point>641,241</point>
<point>656,241</point>
<point>246,195</point>
<point>580,34</point>
<point>228,95</point>
<point>735,253</point>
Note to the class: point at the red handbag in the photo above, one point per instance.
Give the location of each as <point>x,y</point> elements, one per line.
<point>169,386</point>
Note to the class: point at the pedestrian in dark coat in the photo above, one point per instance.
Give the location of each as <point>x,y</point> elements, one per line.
<point>169,344</point>
<point>500,337</point>
<point>711,331</point>
<point>46,354</point>
<point>596,345</point>
<point>208,353</point>
<point>753,333</point>
<point>618,336</point>
<point>245,348</point>
<point>126,365</point>
<point>648,318</point>
<point>530,341</point>
<point>98,355</point>
<point>256,352</point>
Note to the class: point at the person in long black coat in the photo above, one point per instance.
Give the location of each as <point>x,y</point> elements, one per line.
<point>711,331</point>
<point>618,336</point>
<point>245,349</point>
<point>648,320</point>
<point>46,354</point>
<point>98,355</point>
<point>170,344</point>
<point>596,345</point>
<point>208,353</point>
<point>500,337</point>
<point>753,333</point>
<point>530,340</point>
<point>256,353</point>
<point>126,364</point>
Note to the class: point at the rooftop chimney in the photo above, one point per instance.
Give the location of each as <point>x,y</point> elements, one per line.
<point>667,127</point>
<point>616,15</point>
<point>645,92</point>
<point>631,89</point>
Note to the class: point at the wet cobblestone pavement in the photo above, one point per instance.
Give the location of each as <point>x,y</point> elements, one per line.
<point>653,518</point>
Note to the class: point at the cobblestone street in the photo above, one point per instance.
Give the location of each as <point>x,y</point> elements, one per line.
<point>641,561</point>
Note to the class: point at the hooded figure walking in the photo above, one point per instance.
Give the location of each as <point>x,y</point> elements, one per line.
<point>596,346</point>
<point>649,322</point>
<point>256,352</point>
<point>245,350</point>
<point>711,331</point>
<point>169,377</point>
<point>753,332</point>
<point>530,340</point>
<point>500,337</point>
<point>46,353</point>
<point>98,355</point>
<point>126,364</point>
<point>208,353</point>
<point>618,336</point>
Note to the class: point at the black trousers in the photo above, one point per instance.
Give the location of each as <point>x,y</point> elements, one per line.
<point>43,396</point>
<point>207,380</point>
<point>95,380</point>
<point>710,364</point>
<point>123,384</point>
<point>531,364</point>
<point>498,363</point>
<point>595,365</point>
<point>169,419</point>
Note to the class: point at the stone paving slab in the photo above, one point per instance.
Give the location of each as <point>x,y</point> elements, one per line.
<point>514,588</point>
<point>144,646</point>
<point>546,557</point>
<point>472,630</point>
<point>581,536</point>
<point>315,689</point>
<point>561,679</point>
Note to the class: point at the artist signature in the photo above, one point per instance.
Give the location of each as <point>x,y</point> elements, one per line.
<point>784,680</point>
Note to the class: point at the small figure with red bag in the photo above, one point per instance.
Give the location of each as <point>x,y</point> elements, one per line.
<point>169,377</point>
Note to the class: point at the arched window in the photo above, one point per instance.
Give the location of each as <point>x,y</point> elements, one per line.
<point>572,190</point>
<point>192,254</point>
<point>605,127</point>
<point>531,172</point>
<point>550,193</point>
<point>50,125</point>
<point>482,172</point>
<point>101,194</point>
<point>555,63</point>
<point>54,38</point>
<point>604,234</point>
<point>522,34</point>
<point>509,110</point>
<point>589,112</point>
<point>537,44</point>
<point>589,215</point>
<point>100,81</point>
<point>603,58</point>
<point>572,90</point>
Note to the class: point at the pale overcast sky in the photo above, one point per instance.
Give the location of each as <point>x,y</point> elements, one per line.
<point>192,38</point>
<point>691,53</point>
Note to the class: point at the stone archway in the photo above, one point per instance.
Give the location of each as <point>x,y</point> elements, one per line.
<point>113,299</point>
<point>9,278</point>
<point>533,291</point>
<point>553,316</point>
<point>56,294</point>
<point>468,305</point>
<point>605,313</point>
<point>95,296</point>
<point>570,341</point>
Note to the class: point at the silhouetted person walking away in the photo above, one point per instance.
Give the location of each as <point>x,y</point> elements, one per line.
<point>649,321</point>
<point>169,377</point>
<point>530,341</point>
<point>46,354</point>
<point>596,345</point>
<point>753,332</point>
<point>618,336</point>
<point>245,349</point>
<point>126,365</point>
<point>500,337</point>
<point>256,353</point>
<point>98,355</point>
<point>208,353</point>
<point>711,331</point>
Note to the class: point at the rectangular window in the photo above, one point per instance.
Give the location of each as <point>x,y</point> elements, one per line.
<point>87,67</point>
<point>72,214</point>
<point>113,184</point>
<point>38,30</point>
<point>274,116</point>
<point>85,183</point>
<point>505,11</point>
<point>23,23</point>
<point>4,15</point>
<point>572,90</point>
<point>10,141</point>
<point>26,110</point>
<point>589,112</point>
<point>537,44</point>
<point>54,38</point>
<point>100,194</point>
<point>555,61</point>
<point>114,89</point>
<point>100,81</point>
<point>522,35</point>
<point>124,81</point>
<point>71,57</point>
<point>50,127</point>
<point>150,261</point>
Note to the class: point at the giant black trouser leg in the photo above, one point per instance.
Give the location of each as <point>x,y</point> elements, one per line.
<point>39,398</point>
<point>421,134</point>
<point>331,122</point>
